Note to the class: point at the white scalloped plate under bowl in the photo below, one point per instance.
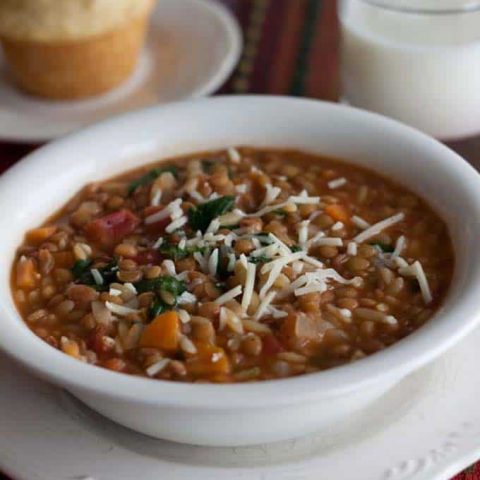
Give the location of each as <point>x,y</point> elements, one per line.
<point>426,428</point>
<point>192,48</point>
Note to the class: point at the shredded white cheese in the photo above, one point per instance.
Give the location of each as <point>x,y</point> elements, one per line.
<point>304,199</point>
<point>187,345</point>
<point>283,260</point>
<point>186,298</point>
<point>390,320</point>
<point>317,282</point>
<point>297,267</point>
<point>313,240</point>
<point>213,263</point>
<point>157,216</point>
<point>262,308</point>
<point>313,261</point>
<point>337,226</point>
<point>202,262</point>
<point>303,234</point>
<point>268,251</point>
<point>416,270</point>
<point>234,155</point>
<point>184,316</point>
<point>256,242</point>
<point>352,249</point>
<point>282,247</point>
<point>97,276</point>
<point>249,285</point>
<point>157,367</point>
<point>241,188</point>
<point>271,193</point>
<point>120,309</point>
<point>171,210</point>
<point>337,183</point>
<point>400,262</point>
<point>379,227</point>
<point>230,318</point>
<point>399,246</point>
<point>169,266</point>
<point>197,196</point>
<point>131,287</point>
<point>158,243</point>
<point>231,262</point>
<point>243,261</point>
<point>328,242</point>
<point>229,239</point>
<point>176,224</point>
<point>213,196</point>
<point>272,277</point>
<point>360,222</point>
<point>214,226</point>
<point>230,295</point>
<point>156,197</point>
<point>276,312</point>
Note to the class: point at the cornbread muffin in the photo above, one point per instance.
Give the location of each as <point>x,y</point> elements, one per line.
<point>72,48</point>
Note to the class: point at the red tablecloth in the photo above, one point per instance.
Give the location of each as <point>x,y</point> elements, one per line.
<point>292,49</point>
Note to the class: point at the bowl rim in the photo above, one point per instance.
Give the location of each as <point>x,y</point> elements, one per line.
<point>393,363</point>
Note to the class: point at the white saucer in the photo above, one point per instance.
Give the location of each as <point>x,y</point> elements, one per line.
<point>192,48</point>
<point>426,428</point>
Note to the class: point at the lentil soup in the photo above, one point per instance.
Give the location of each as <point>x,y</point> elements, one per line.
<point>232,266</point>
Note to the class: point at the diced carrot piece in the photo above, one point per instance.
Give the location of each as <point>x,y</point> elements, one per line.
<point>27,275</point>
<point>209,360</point>
<point>63,259</point>
<point>40,235</point>
<point>338,212</point>
<point>288,327</point>
<point>162,332</point>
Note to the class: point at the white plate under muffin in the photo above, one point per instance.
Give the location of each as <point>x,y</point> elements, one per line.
<point>192,48</point>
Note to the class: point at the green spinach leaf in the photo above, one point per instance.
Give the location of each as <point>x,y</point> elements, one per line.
<point>149,177</point>
<point>199,218</point>
<point>176,253</point>
<point>82,273</point>
<point>167,283</point>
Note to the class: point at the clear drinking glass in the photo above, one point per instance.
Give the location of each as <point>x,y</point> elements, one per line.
<point>414,60</point>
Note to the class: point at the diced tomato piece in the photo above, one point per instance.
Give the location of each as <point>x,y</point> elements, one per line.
<point>157,227</point>
<point>111,228</point>
<point>271,345</point>
<point>147,257</point>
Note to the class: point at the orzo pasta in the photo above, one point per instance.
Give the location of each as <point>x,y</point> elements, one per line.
<point>233,266</point>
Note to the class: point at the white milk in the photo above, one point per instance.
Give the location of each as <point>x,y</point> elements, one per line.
<point>423,69</point>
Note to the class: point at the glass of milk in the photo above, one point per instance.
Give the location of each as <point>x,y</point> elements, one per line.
<point>414,60</point>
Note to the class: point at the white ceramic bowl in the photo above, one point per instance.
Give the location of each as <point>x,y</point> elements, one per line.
<point>243,414</point>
